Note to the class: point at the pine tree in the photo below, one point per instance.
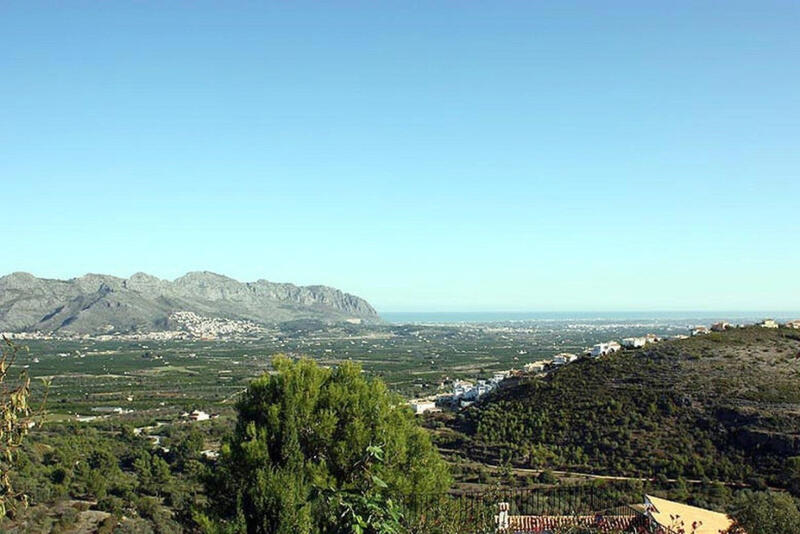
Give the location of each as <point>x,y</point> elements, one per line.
<point>309,438</point>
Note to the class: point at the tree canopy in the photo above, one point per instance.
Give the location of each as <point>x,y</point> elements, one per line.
<point>315,447</point>
<point>766,512</point>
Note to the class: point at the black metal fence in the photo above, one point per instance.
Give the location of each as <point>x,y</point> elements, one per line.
<point>512,511</point>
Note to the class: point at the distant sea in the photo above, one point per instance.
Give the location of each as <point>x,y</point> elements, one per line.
<point>503,317</point>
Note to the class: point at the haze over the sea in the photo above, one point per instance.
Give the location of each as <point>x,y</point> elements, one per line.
<point>740,317</point>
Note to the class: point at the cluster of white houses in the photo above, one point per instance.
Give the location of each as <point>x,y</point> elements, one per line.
<point>596,351</point>
<point>464,393</point>
<point>721,326</point>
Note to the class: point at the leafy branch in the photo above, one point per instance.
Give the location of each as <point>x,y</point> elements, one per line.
<point>16,418</point>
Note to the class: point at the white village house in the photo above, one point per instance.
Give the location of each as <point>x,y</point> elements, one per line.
<point>534,367</point>
<point>421,406</point>
<point>634,342</point>
<point>603,349</point>
<point>460,388</point>
<point>699,330</point>
<point>564,358</point>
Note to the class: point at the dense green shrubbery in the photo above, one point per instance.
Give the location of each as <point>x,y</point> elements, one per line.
<point>650,414</point>
<point>120,471</point>
<point>581,420</point>
<point>766,513</point>
<point>315,448</point>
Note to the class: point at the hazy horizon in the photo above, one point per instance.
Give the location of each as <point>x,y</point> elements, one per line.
<point>696,316</point>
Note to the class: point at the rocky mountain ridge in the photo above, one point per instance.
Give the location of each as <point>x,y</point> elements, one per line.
<point>97,303</point>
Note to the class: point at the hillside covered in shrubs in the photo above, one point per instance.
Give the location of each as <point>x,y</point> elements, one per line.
<point>722,406</point>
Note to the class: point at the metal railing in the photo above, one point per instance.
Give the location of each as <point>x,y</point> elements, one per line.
<point>516,511</point>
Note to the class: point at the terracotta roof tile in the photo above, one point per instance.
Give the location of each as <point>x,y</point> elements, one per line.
<point>531,524</point>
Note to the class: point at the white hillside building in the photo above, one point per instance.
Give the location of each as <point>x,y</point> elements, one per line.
<point>634,342</point>
<point>564,358</point>
<point>699,330</point>
<point>421,406</point>
<point>460,388</point>
<point>534,367</point>
<point>603,349</point>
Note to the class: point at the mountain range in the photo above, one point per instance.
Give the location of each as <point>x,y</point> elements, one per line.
<point>97,303</point>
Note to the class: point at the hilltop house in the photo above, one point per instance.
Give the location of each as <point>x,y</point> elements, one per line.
<point>534,367</point>
<point>793,324</point>
<point>564,358</point>
<point>460,388</point>
<point>603,349</point>
<point>768,323</point>
<point>699,330</point>
<point>720,326</point>
<point>466,391</point>
<point>499,376</point>
<point>634,342</point>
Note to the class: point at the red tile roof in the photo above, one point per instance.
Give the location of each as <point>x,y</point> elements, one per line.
<point>531,524</point>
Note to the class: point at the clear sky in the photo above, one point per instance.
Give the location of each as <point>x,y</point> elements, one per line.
<point>425,155</point>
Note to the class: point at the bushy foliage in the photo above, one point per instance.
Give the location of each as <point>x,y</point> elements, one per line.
<point>123,473</point>
<point>309,439</point>
<point>633,414</point>
<point>766,513</point>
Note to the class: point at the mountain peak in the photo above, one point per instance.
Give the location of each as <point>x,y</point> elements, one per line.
<point>18,275</point>
<point>17,280</point>
<point>140,276</point>
<point>192,276</point>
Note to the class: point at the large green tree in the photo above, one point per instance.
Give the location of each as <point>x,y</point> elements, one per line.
<point>319,450</point>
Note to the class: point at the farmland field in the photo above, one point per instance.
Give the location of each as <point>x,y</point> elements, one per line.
<point>412,359</point>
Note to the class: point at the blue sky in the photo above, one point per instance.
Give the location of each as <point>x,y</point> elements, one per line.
<point>424,155</point>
